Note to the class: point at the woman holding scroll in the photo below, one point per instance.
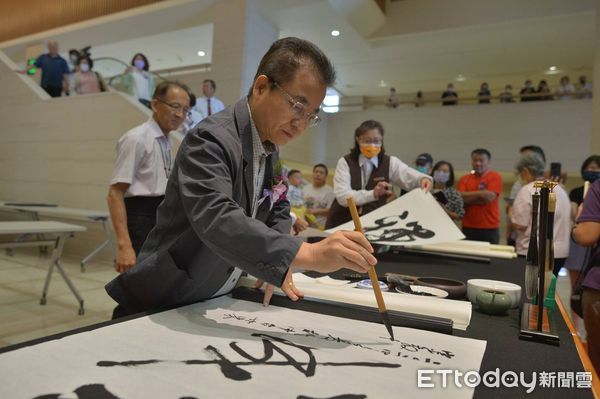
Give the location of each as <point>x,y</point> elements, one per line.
<point>367,174</point>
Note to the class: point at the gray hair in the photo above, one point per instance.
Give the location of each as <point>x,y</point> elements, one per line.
<point>533,163</point>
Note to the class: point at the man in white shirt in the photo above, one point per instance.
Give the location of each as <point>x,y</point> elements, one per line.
<point>141,172</point>
<point>319,196</point>
<point>209,104</point>
<point>531,168</point>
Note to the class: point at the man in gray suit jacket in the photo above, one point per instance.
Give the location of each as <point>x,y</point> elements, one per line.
<point>217,218</point>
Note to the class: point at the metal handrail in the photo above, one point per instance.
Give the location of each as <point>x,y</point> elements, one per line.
<point>126,65</point>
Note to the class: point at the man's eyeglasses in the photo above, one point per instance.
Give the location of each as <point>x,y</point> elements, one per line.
<point>299,109</point>
<point>177,108</point>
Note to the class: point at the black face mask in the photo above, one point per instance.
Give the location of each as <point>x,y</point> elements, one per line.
<point>591,175</point>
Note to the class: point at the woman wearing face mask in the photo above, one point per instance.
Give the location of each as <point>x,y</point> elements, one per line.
<point>86,81</point>
<point>590,172</point>
<point>443,182</point>
<point>73,59</point>
<point>138,81</point>
<point>367,174</point>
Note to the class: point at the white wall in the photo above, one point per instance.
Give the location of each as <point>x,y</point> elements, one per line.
<point>60,150</point>
<point>561,128</point>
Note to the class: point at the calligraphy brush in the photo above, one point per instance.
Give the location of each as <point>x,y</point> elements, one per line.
<point>372,273</point>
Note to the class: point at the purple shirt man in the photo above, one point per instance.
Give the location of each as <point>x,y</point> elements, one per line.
<point>591,213</point>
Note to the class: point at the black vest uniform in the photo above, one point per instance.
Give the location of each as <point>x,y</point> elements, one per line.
<point>340,214</point>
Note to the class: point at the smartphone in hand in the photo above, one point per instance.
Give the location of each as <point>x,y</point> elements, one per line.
<point>555,170</point>
<point>441,197</point>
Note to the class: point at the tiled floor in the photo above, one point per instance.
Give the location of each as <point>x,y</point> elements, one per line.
<point>22,276</point>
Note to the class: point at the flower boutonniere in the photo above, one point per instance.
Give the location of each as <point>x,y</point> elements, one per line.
<point>279,185</point>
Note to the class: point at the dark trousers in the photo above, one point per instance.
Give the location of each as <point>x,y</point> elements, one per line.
<point>489,235</point>
<point>119,312</point>
<point>141,218</point>
<point>53,91</point>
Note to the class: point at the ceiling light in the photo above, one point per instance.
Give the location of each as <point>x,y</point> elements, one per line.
<point>553,70</point>
<point>460,78</point>
<point>201,53</point>
<point>382,83</point>
<point>335,33</point>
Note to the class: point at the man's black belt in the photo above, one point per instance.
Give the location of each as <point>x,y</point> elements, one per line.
<point>143,205</point>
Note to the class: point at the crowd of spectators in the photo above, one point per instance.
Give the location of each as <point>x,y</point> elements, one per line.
<point>76,76</point>
<point>529,92</point>
<point>564,91</point>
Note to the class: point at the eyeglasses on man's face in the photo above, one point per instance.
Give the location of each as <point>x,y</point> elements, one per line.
<point>176,108</point>
<point>299,109</point>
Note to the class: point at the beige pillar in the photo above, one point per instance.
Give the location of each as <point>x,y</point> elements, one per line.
<point>241,36</point>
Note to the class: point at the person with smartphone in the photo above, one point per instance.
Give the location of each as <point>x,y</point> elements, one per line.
<point>531,168</point>
<point>444,191</point>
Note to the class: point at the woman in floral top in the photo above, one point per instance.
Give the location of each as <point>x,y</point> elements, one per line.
<point>443,182</point>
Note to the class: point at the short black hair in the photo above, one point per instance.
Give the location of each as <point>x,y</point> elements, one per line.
<point>534,148</point>
<point>450,181</point>
<point>423,159</point>
<point>287,55</point>
<point>212,83</point>
<point>321,165</point>
<point>291,172</point>
<point>363,128</point>
<point>86,58</point>
<point>163,88</point>
<point>589,160</point>
<point>481,151</point>
<point>146,63</point>
<point>192,100</point>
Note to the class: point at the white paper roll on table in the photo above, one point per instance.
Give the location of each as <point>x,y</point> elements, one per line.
<point>458,311</point>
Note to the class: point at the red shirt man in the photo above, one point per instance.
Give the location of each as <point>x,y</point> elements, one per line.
<point>481,190</point>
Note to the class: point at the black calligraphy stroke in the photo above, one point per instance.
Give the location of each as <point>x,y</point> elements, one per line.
<point>234,371</point>
<point>90,391</point>
<point>343,396</point>
<point>99,391</point>
<point>383,231</point>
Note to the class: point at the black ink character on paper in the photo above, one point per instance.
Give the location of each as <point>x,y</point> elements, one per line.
<point>236,370</point>
<point>393,228</point>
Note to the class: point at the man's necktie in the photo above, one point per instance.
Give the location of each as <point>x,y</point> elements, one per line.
<point>208,103</point>
<point>366,173</point>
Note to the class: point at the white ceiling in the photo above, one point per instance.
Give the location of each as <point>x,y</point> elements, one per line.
<point>133,27</point>
<point>176,49</point>
<point>502,52</point>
